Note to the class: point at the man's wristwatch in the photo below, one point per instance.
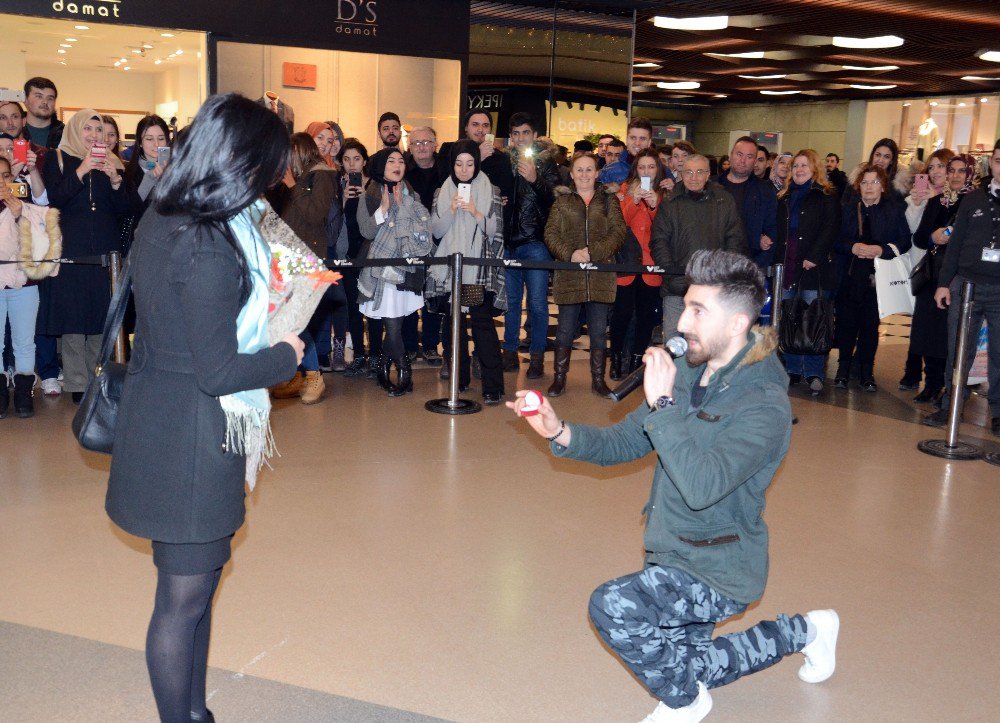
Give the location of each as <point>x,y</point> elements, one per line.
<point>661,403</point>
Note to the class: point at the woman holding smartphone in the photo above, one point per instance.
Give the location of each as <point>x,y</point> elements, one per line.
<point>145,167</point>
<point>637,297</point>
<point>83,180</point>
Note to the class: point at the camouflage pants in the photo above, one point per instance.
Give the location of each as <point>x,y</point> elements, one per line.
<point>660,623</point>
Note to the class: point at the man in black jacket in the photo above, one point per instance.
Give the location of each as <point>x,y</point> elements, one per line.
<point>974,255</point>
<point>42,127</point>
<point>837,177</point>
<point>527,207</point>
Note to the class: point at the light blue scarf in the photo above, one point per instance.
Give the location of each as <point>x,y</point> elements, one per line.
<point>248,429</point>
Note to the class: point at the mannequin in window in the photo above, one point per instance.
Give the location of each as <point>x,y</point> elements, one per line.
<point>928,137</point>
<point>271,100</point>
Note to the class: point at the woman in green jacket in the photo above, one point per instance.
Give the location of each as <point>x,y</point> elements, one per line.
<point>585,226</point>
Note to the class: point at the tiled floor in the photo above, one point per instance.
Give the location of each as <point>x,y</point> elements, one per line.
<point>399,561</point>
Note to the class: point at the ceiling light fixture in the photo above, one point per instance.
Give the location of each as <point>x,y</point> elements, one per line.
<point>984,100</point>
<point>147,46</point>
<point>934,103</point>
<point>961,105</point>
<point>907,105</point>
<point>122,60</point>
<point>873,67</point>
<point>756,54</point>
<point>81,27</point>
<point>166,35</point>
<point>763,77</point>
<point>720,95</point>
<point>65,45</point>
<point>117,63</point>
<point>646,65</point>
<point>977,77</point>
<point>679,85</point>
<point>871,87</point>
<point>70,40</point>
<point>780,92</point>
<point>179,51</point>
<point>60,50</point>
<point>137,51</point>
<point>992,56</point>
<point>126,68</point>
<point>711,22</point>
<point>882,41</point>
<point>157,61</point>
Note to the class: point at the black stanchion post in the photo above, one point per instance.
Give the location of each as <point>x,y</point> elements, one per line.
<point>952,447</point>
<point>452,405</point>
<point>777,286</point>
<point>115,269</point>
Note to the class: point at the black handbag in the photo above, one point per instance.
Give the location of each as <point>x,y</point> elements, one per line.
<point>95,421</point>
<point>925,273</point>
<point>806,328</point>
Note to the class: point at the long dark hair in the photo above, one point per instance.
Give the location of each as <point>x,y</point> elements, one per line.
<point>133,168</point>
<point>305,154</point>
<point>633,172</point>
<point>108,120</point>
<point>890,172</point>
<point>233,151</point>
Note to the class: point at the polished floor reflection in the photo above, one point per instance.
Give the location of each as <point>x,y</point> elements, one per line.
<point>441,567</point>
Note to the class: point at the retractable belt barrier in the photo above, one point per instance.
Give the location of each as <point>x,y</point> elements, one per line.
<point>102,260</point>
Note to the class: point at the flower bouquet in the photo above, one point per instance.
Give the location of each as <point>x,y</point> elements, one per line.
<point>298,281</point>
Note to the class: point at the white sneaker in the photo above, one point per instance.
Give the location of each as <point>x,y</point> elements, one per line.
<point>691,713</point>
<point>821,653</point>
<point>51,387</point>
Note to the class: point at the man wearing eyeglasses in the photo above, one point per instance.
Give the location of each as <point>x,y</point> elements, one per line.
<point>699,215</point>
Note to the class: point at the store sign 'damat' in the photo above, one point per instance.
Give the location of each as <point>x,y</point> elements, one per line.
<point>94,9</point>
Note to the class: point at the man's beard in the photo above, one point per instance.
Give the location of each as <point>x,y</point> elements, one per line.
<point>706,351</point>
<point>391,140</point>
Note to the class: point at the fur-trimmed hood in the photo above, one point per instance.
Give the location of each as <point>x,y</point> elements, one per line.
<point>39,237</point>
<point>765,342</point>
<point>902,183</point>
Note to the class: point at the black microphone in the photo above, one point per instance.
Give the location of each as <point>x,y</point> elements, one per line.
<point>676,346</point>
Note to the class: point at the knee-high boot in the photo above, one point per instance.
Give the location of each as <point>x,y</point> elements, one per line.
<point>561,370</point>
<point>598,357</point>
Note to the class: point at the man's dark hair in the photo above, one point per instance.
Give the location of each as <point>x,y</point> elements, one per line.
<point>641,123</point>
<point>606,135</point>
<point>745,139</point>
<point>41,84</point>
<point>684,146</point>
<point>523,119</point>
<point>834,156</point>
<point>763,149</point>
<point>475,111</point>
<point>739,280</point>
<point>585,145</point>
<point>387,116</point>
<point>617,143</point>
<point>996,146</point>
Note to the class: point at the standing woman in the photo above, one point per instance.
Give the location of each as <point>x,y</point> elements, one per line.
<point>585,225</point>
<point>391,217</point>
<point>929,329</point>
<point>638,297</point>
<point>868,226</point>
<point>808,222</point>
<point>473,228</point>
<point>193,418</point>
<point>91,196</point>
<point>112,136</point>
<point>144,168</point>
<point>885,155</point>
<point>324,137</point>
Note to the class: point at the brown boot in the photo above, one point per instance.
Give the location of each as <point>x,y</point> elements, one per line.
<point>536,367</point>
<point>598,357</point>
<point>511,361</point>
<point>313,389</point>
<point>289,389</point>
<point>561,370</point>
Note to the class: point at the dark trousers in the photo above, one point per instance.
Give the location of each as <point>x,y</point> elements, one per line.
<point>985,306</point>
<point>597,324</point>
<point>331,316</point>
<point>857,329</point>
<point>638,301</point>
<point>355,319</point>
<point>46,356</point>
<point>484,335</point>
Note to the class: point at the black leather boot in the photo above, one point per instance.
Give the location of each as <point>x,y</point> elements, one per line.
<point>406,374</point>
<point>4,396</point>
<point>561,370</point>
<point>635,363</point>
<point>617,367</point>
<point>393,389</point>
<point>598,357</point>
<point>24,407</point>
<point>536,367</point>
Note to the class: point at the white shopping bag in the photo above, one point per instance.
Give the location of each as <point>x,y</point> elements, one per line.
<point>892,284</point>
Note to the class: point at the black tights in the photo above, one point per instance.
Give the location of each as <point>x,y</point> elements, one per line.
<point>177,643</point>
<point>393,347</point>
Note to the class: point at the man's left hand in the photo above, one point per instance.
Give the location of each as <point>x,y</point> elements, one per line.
<point>658,380</point>
<point>526,169</point>
<point>765,242</point>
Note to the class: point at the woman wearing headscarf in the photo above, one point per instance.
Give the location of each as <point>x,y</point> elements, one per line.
<point>391,217</point>
<point>325,139</point>
<point>90,193</point>
<point>929,329</point>
<point>473,227</point>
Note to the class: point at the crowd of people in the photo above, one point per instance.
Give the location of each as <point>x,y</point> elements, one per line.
<point>625,201</point>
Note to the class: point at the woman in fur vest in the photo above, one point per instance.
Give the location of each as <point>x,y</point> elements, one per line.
<point>585,226</point>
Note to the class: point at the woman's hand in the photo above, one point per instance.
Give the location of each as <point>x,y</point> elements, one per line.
<point>470,206</point>
<point>456,203</point>
<point>112,173</point>
<point>545,423</point>
<point>289,178</point>
<point>651,198</point>
<point>88,164</point>
<point>866,251</point>
<point>919,195</point>
<point>13,202</point>
<point>580,256</point>
<point>157,170</point>
<point>397,193</point>
<point>298,346</point>
<point>939,237</point>
<point>386,200</point>
<point>808,265</point>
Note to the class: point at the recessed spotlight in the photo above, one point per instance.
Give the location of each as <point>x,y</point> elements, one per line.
<point>157,61</point>
<point>646,65</point>
<point>65,45</point>
<point>166,35</point>
<point>70,40</point>
<point>62,62</point>
<point>122,60</point>
<point>984,100</point>
<point>137,51</point>
<point>763,77</point>
<point>977,77</point>
<point>907,105</point>
<point>117,63</point>
<point>710,22</point>
<point>172,55</point>
<point>992,56</point>
<point>126,68</point>
<point>81,27</point>
<point>882,41</point>
<point>750,54</point>
<point>780,92</point>
<point>871,87</point>
<point>934,103</point>
<point>61,51</point>
<point>872,67</point>
<point>720,95</point>
<point>679,85</point>
<point>179,51</point>
<point>961,105</point>
<point>147,46</point>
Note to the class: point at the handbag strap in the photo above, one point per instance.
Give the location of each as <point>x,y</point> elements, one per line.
<point>116,314</point>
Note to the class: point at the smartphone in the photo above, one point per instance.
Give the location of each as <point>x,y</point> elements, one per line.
<point>465,191</point>
<point>99,151</point>
<point>19,190</point>
<point>490,138</point>
<point>645,183</point>
<point>529,153</point>
<point>20,150</point>
<point>921,182</point>
<point>354,179</point>
<point>162,156</point>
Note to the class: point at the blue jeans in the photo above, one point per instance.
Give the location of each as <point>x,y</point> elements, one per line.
<point>21,307</point>
<point>537,282</point>
<point>806,365</point>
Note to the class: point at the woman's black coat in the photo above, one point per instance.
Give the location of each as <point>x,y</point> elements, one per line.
<point>76,301</point>
<point>171,480</point>
<point>819,224</point>
<point>929,328</point>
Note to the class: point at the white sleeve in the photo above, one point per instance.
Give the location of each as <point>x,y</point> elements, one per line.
<point>379,216</point>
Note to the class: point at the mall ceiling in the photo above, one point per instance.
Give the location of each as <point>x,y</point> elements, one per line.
<point>792,42</point>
